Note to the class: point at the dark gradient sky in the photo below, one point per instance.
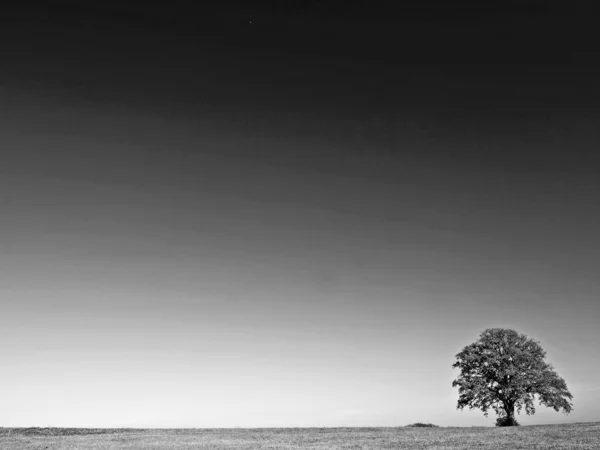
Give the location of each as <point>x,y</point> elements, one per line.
<point>291,216</point>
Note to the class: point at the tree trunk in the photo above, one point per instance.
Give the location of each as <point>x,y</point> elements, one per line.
<point>509,420</point>
<point>510,415</point>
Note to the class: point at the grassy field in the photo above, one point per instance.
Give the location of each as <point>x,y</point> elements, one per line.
<point>550,437</point>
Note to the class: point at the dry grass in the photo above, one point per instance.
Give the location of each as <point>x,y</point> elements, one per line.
<point>548,437</point>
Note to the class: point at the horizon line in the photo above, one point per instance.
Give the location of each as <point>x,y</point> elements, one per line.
<point>277,428</point>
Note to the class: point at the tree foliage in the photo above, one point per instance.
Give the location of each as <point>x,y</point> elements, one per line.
<point>505,370</point>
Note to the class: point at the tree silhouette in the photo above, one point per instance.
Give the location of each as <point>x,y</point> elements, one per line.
<point>504,370</point>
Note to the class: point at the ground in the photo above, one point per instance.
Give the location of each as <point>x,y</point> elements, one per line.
<point>547,437</point>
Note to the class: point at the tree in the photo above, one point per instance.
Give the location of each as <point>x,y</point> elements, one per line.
<point>504,370</point>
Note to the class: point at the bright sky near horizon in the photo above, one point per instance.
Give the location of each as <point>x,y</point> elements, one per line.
<point>264,258</point>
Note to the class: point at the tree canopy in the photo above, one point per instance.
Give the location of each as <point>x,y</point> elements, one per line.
<point>505,370</point>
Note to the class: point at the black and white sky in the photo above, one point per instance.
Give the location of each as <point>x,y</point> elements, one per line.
<point>291,213</point>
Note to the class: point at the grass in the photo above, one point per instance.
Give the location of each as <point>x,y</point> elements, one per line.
<point>548,437</point>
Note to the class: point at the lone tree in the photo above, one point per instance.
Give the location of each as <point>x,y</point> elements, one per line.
<point>504,370</point>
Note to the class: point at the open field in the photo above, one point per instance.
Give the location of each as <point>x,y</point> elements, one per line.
<point>550,437</point>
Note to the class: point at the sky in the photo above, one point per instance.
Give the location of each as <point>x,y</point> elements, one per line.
<point>259,217</point>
